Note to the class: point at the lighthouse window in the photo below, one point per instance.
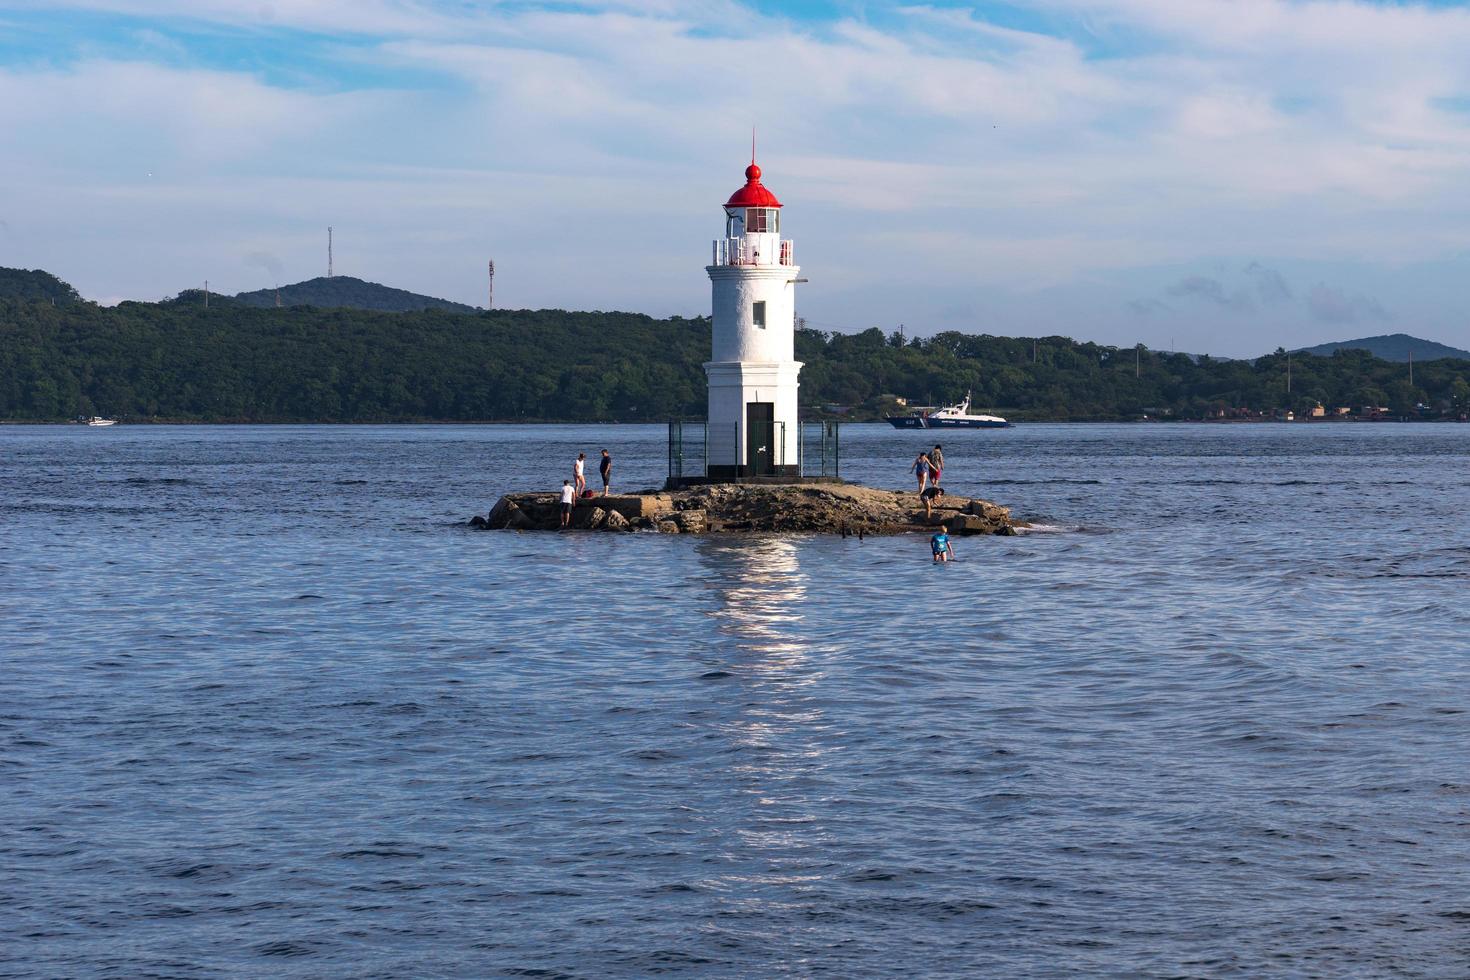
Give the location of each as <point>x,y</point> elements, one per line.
<point>762,219</point>
<point>758,313</point>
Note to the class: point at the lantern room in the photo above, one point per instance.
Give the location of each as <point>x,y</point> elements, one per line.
<point>753,208</point>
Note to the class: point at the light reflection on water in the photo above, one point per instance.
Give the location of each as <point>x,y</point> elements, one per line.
<point>761,592</point>
<point>269,709</point>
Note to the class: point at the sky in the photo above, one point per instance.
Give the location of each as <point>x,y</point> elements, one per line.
<point>1219,176</point>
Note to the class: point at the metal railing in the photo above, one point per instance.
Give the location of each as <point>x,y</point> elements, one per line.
<point>736,251</point>
<point>693,444</point>
<point>821,449</point>
<point>688,448</point>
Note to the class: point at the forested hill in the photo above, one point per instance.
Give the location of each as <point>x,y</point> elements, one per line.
<point>33,284</point>
<point>359,294</point>
<point>181,361</point>
<point>1391,347</point>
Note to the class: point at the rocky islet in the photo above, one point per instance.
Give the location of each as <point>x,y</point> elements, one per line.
<point>724,508</point>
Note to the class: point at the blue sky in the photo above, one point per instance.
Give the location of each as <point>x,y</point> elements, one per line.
<point>1212,175</point>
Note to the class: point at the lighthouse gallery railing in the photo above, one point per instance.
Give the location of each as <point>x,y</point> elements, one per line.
<point>736,251</point>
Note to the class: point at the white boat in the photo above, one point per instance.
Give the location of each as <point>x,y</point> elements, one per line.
<point>951,417</point>
<point>98,420</point>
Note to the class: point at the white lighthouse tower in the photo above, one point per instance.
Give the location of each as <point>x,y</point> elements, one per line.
<point>754,430</point>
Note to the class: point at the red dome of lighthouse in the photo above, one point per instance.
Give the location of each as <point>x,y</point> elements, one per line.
<point>754,194</point>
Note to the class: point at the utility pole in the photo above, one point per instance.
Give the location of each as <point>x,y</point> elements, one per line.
<point>329,251</point>
<point>490,296</point>
<point>1033,350</point>
<point>206,294</point>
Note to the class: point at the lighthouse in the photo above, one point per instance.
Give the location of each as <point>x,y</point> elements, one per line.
<point>753,430</point>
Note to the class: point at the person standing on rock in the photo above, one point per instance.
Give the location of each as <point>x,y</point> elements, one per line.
<point>936,462</point>
<point>929,497</point>
<point>605,468</point>
<point>939,544</point>
<point>567,493</point>
<point>579,473</point>
<point>921,470</point>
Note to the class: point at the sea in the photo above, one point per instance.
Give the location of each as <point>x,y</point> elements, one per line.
<point>269,708</point>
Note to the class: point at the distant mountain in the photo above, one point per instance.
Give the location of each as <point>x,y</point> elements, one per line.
<point>348,292</point>
<point>1393,347</point>
<point>33,284</point>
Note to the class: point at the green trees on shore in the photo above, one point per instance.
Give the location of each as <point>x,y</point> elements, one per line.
<point>60,358</point>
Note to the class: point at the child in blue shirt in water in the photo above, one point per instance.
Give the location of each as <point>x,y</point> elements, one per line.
<point>943,550</point>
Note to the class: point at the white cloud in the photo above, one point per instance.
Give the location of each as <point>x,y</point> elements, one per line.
<point>589,145</point>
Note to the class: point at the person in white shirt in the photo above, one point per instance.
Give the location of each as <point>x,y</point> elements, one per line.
<point>567,493</point>
<point>579,473</point>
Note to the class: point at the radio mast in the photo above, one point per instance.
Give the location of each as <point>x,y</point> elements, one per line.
<point>329,251</point>
<point>490,296</point>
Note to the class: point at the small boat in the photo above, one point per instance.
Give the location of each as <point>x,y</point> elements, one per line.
<point>952,417</point>
<point>99,420</point>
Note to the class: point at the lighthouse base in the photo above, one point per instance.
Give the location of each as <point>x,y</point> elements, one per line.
<point>685,482</point>
<point>752,474</point>
<point>695,446</point>
<point>753,428</point>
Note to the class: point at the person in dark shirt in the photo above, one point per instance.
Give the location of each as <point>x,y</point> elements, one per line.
<point>929,496</point>
<point>605,468</point>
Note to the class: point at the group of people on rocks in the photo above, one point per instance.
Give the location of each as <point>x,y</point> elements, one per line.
<point>577,485</point>
<point>928,468</point>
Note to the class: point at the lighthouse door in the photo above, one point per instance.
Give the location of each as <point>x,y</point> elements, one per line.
<point>760,438</point>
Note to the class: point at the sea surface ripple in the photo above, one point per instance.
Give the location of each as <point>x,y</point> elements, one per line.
<point>268,709</point>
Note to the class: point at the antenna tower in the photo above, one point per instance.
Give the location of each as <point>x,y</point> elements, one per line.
<point>490,295</point>
<point>329,251</point>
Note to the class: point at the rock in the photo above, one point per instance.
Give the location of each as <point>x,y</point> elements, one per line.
<point>964,524</point>
<point>479,523</point>
<point>733,508</point>
<point>989,511</point>
<point>519,520</point>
